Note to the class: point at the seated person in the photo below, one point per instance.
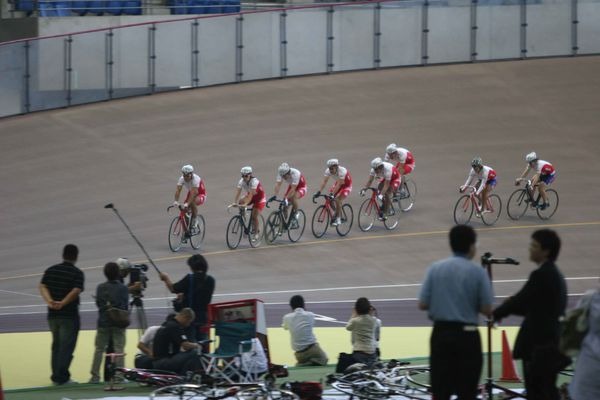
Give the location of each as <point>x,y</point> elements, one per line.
<point>172,349</point>
<point>145,356</point>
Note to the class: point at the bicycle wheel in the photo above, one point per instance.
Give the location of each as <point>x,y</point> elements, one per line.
<point>463,210</point>
<point>273,227</point>
<point>392,217</point>
<point>235,229</point>
<point>259,393</point>
<point>296,227</point>
<point>366,215</point>
<point>407,195</point>
<point>347,217</point>
<point>495,205</point>
<point>197,236</point>
<point>320,222</point>
<point>517,204</point>
<point>254,238</point>
<point>176,235</point>
<point>552,206</point>
<point>189,391</point>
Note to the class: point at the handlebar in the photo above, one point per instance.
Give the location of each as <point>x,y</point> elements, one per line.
<point>238,206</point>
<point>316,196</point>
<point>473,188</point>
<point>277,201</point>
<point>363,190</point>
<point>519,180</point>
<point>172,206</point>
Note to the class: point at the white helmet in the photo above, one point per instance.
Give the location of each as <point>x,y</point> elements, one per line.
<point>531,157</point>
<point>376,163</point>
<point>392,148</point>
<point>332,162</point>
<point>477,162</point>
<point>246,170</point>
<point>187,169</point>
<point>123,263</point>
<point>283,169</point>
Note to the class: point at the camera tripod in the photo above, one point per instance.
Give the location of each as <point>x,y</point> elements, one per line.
<point>137,308</point>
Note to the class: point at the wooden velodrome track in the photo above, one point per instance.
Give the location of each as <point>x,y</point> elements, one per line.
<point>59,169</point>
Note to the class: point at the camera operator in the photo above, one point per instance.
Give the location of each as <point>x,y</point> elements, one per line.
<point>195,291</point>
<point>137,276</point>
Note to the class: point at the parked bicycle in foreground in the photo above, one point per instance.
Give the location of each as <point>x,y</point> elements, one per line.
<point>242,224</point>
<point>469,203</point>
<point>521,199</point>
<point>324,216</point>
<point>180,230</point>
<point>371,209</point>
<point>277,223</point>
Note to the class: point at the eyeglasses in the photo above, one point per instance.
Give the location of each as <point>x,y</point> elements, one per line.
<point>245,175</point>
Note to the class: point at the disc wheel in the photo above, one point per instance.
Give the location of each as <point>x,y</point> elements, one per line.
<point>347,217</point>
<point>494,204</point>
<point>197,236</point>
<point>235,229</point>
<point>320,222</point>
<point>549,211</point>
<point>407,195</point>
<point>176,235</point>
<point>463,210</point>
<point>254,238</point>
<point>392,217</point>
<point>296,226</point>
<point>517,204</point>
<point>273,227</point>
<point>366,215</point>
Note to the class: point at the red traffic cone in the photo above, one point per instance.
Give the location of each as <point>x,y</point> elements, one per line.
<point>509,372</point>
<point>1,390</point>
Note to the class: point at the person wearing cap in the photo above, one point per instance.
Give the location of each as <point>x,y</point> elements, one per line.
<point>254,196</point>
<point>196,194</point>
<point>484,178</point>
<point>544,175</point>
<point>341,188</point>
<point>296,185</point>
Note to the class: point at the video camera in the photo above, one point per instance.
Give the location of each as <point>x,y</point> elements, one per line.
<point>136,272</point>
<point>487,260</point>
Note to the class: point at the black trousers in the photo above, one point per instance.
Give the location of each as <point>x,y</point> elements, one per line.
<point>541,372</point>
<point>456,361</point>
<point>179,363</point>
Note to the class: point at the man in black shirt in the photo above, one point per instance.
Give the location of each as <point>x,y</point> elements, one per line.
<point>60,287</point>
<point>169,342</point>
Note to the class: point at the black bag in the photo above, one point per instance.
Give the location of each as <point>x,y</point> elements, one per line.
<point>344,361</point>
<point>117,317</point>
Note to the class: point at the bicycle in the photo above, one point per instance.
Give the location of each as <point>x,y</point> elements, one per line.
<point>370,209</point>
<point>242,224</point>
<point>406,194</point>
<point>467,203</point>
<point>521,198</point>
<point>276,223</point>
<point>180,230</point>
<point>325,214</point>
<point>188,391</point>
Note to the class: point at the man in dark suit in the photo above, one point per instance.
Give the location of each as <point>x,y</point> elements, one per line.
<point>542,301</point>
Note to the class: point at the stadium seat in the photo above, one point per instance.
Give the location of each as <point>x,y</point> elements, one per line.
<point>27,6</point>
<point>132,7</point>
<point>231,6</point>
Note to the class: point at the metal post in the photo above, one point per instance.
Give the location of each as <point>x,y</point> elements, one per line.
<point>27,77</point>
<point>108,45</point>
<point>474,30</point>
<point>574,28</point>
<point>523,29</point>
<point>424,32</point>
<point>329,55</point>
<point>239,46</point>
<point>68,68</point>
<point>195,66</point>
<point>377,35</point>
<point>283,45</point>
<point>152,57</point>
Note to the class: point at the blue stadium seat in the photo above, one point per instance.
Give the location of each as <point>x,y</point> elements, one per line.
<point>214,7</point>
<point>178,6</point>
<point>115,7</point>
<point>132,7</point>
<point>197,7</point>
<point>55,8</point>
<point>27,6</point>
<point>97,7</point>
<point>231,6</point>
<point>79,7</point>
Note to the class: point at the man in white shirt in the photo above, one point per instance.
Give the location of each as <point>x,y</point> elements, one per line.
<point>145,356</point>
<point>300,323</point>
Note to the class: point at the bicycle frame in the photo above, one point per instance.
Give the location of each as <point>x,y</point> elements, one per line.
<point>373,201</point>
<point>329,208</point>
<point>183,219</point>
<point>283,205</point>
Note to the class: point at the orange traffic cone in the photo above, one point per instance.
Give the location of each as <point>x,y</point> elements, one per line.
<point>509,372</point>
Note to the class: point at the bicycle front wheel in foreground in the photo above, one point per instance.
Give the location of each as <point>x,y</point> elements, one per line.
<point>517,204</point>
<point>258,393</point>
<point>408,196</point>
<point>198,232</point>
<point>176,234</point>
<point>296,227</point>
<point>494,205</point>
<point>463,210</point>
<point>257,233</point>
<point>273,227</point>
<point>347,217</point>
<point>320,222</point>
<point>366,215</point>
<point>552,205</point>
<point>392,217</point>
<point>235,229</point>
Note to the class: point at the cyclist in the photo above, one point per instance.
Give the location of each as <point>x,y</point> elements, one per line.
<point>389,182</point>
<point>196,191</point>
<point>544,176</point>
<point>486,181</point>
<point>296,186</point>
<point>254,196</point>
<point>405,162</point>
<point>340,189</point>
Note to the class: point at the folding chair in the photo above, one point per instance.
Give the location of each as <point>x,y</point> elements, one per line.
<point>225,363</point>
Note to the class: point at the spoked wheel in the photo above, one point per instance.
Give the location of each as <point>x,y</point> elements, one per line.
<point>552,206</point>
<point>259,393</point>
<point>392,217</point>
<point>494,204</point>
<point>366,215</point>
<point>517,204</point>
<point>198,232</point>
<point>273,227</point>
<point>347,217</point>
<point>255,237</point>
<point>320,221</point>
<point>176,235</point>
<point>407,195</point>
<point>296,227</point>
<point>191,391</point>
<point>235,229</point>
<point>463,210</point>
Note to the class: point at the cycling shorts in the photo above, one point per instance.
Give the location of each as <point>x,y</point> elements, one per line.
<point>345,191</point>
<point>300,191</point>
<point>199,200</point>
<point>491,182</point>
<point>547,179</point>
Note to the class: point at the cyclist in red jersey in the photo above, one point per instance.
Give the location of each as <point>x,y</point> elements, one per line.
<point>196,191</point>
<point>296,185</point>
<point>341,187</point>
<point>484,178</point>
<point>254,196</point>
<point>544,175</point>
<point>389,182</point>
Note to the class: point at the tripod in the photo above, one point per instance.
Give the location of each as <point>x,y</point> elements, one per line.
<point>486,262</point>
<point>137,307</point>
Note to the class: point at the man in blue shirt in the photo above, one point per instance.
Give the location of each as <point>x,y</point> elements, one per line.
<point>454,292</point>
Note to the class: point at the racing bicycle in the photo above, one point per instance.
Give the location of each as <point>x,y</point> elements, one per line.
<point>277,223</point>
<point>371,209</point>
<point>180,230</point>
<point>242,224</point>
<point>406,195</point>
<point>520,199</point>
<point>325,215</point>
<point>468,203</point>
